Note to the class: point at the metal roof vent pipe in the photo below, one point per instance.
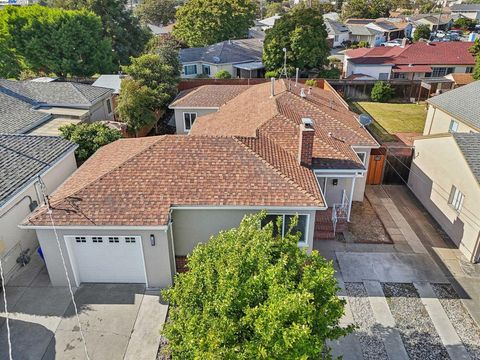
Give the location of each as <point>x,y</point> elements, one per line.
<point>302,93</point>
<point>272,94</point>
<point>296,76</point>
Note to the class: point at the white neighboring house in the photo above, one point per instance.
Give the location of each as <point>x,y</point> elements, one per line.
<point>338,32</point>
<point>240,58</point>
<point>471,11</point>
<point>24,159</point>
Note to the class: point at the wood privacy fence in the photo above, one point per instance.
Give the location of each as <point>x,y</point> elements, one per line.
<point>389,165</point>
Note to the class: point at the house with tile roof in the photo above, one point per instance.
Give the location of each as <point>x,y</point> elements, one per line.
<point>27,163</point>
<point>137,208</point>
<point>242,58</point>
<point>471,11</point>
<point>40,108</point>
<point>418,61</point>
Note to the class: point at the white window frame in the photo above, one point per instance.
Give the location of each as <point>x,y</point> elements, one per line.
<point>190,65</point>
<point>364,160</point>
<point>453,127</point>
<point>456,199</point>
<point>307,225</point>
<point>189,120</point>
<point>206,66</point>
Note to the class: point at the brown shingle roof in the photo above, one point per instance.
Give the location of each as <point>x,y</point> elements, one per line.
<point>208,96</point>
<point>137,181</point>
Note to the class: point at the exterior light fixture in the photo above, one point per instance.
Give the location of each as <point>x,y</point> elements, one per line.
<point>335,182</point>
<point>152,239</point>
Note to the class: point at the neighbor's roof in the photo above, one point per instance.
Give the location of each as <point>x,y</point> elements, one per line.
<point>420,53</point>
<point>225,52</point>
<point>465,7</point>
<point>469,144</point>
<point>335,27</point>
<point>140,180</point>
<point>254,112</point>
<point>207,96</point>
<point>361,29</point>
<point>461,103</point>
<point>270,21</point>
<point>24,157</point>
<point>460,78</point>
<point>53,93</point>
<point>112,82</point>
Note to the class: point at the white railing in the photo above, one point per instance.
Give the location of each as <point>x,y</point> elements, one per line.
<point>340,211</point>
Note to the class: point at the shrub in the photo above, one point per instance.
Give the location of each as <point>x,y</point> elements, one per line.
<point>311,82</point>
<point>381,92</point>
<point>363,44</point>
<point>223,74</point>
<point>270,74</point>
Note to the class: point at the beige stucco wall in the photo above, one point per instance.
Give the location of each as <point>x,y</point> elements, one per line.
<point>99,111</point>
<point>213,69</point>
<point>191,227</point>
<point>158,265</point>
<point>14,240</point>
<point>438,122</point>
<point>437,165</point>
<point>361,181</point>
<point>179,124</point>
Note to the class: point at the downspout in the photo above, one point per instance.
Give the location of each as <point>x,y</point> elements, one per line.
<point>351,199</point>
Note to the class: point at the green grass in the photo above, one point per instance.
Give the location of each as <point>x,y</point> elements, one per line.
<point>396,118</point>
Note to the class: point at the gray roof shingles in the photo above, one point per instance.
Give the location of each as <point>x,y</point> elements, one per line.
<point>24,157</point>
<point>461,103</point>
<point>225,52</point>
<point>469,144</point>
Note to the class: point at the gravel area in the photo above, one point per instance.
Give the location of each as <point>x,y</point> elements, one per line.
<point>365,225</point>
<point>413,322</point>
<point>461,320</point>
<point>367,332</point>
<point>163,353</point>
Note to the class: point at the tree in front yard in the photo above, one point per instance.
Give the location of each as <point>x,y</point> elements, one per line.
<point>421,32</point>
<point>251,294</point>
<point>302,33</point>
<point>223,74</point>
<point>382,92</point>
<point>475,50</point>
<point>89,137</point>
<point>157,12</point>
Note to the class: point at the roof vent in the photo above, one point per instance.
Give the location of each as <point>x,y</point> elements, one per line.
<point>302,93</point>
<point>307,122</point>
<point>365,120</point>
<point>216,59</point>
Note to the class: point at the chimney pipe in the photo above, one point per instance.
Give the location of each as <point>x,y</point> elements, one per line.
<point>273,87</point>
<point>302,93</point>
<point>305,143</point>
<point>296,76</point>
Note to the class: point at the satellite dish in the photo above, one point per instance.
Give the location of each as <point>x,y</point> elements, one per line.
<point>365,119</point>
<point>216,59</point>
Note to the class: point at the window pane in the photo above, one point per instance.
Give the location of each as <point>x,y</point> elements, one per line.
<point>186,118</point>
<point>109,106</point>
<point>301,225</point>
<point>271,219</point>
<point>192,118</point>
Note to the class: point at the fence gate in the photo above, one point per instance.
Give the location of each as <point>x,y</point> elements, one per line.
<point>376,166</point>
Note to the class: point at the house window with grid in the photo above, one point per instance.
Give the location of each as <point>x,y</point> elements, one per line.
<point>109,106</point>
<point>469,70</point>
<point>286,220</point>
<point>442,71</point>
<point>456,198</point>
<point>189,119</point>
<point>190,69</point>
<point>206,70</point>
<point>453,127</point>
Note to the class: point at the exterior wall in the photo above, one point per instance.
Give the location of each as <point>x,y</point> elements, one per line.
<point>438,122</point>
<point>99,110</point>
<point>14,240</point>
<point>361,181</point>
<point>191,227</point>
<point>214,68</point>
<point>157,258</point>
<point>371,70</point>
<point>474,15</point>
<point>340,38</point>
<point>437,165</point>
<point>179,123</point>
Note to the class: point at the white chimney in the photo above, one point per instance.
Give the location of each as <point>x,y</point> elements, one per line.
<point>273,87</point>
<point>302,93</point>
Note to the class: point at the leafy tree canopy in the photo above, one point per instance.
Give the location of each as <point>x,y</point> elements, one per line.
<point>167,48</point>
<point>421,32</point>
<point>367,9</point>
<point>55,40</point>
<point>205,22</point>
<point>465,23</point>
<point>157,12</point>
<point>475,50</point>
<point>119,25</point>
<point>251,295</point>
<point>274,8</point>
<point>11,64</point>
<point>89,137</point>
<point>302,32</point>
<point>381,92</point>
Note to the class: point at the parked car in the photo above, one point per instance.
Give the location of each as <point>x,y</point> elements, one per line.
<point>392,43</point>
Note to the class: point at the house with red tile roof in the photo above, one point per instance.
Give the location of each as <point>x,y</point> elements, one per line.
<point>138,207</point>
<point>421,60</point>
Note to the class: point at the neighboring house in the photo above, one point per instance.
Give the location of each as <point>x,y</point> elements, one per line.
<point>113,82</point>
<point>421,60</point>
<point>454,111</point>
<point>138,207</point>
<point>190,104</point>
<point>24,159</point>
<point>337,32</point>
<point>471,11</point>
<point>241,58</point>
<point>459,79</point>
<point>360,32</point>
<point>445,177</point>
<point>40,108</point>
<point>267,23</point>
<point>433,21</point>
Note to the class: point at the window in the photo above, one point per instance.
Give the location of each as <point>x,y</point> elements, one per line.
<point>97,239</point>
<point>399,75</point>
<point>442,71</point>
<point>109,106</point>
<point>469,70</point>
<point>336,38</point>
<point>113,239</point>
<point>456,198</point>
<point>206,70</point>
<point>80,239</point>
<point>189,119</point>
<point>286,220</point>
<point>362,156</point>
<point>453,127</point>
<point>190,69</point>
<point>383,76</point>
<point>129,239</point>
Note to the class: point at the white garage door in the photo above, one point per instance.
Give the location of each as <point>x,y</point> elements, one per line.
<point>115,259</point>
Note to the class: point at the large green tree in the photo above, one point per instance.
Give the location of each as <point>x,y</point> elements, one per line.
<point>369,9</point>
<point>475,50</point>
<point>249,294</point>
<point>205,22</point>
<point>302,33</point>
<point>127,36</point>
<point>10,62</point>
<point>421,32</point>
<point>56,40</point>
<point>156,12</point>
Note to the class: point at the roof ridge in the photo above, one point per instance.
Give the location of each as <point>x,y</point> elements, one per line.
<point>268,164</point>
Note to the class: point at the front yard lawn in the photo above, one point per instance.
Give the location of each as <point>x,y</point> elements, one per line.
<point>397,118</point>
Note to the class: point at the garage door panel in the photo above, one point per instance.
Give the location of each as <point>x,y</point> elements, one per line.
<point>117,259</point>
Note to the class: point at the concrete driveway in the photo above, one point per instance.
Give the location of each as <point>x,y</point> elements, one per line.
<point>120,321</point>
